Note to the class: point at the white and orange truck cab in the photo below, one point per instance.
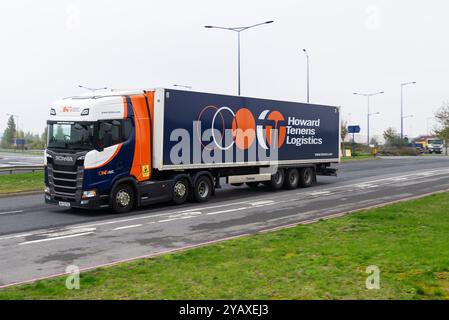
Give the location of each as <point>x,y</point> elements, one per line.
<point>124,149</point>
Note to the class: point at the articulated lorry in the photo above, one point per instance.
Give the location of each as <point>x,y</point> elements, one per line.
<point>125,149</point>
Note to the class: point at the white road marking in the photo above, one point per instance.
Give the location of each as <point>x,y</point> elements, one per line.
<point>10,212</point>
<point>262,203</point>
<point>226,211</point>
<point>192,211</point>
<point>167,220</point>
<point>57,238</point>
<point>128,227</point>
<point>317,193</point>
<point>21,163</point>
<point>68,232</point>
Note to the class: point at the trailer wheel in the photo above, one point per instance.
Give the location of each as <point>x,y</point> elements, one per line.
<point>202,189</point>
<point>291,179</point>
<point>180,191</point>
<point>253,185</point>
<point>277,179</point>
<point>306,177</point>
<point>123,198</point>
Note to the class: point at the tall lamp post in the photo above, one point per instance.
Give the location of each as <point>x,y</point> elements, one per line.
<point>402,105</point>
<point>308,74</point>
<point>368,96</point>
<point>238,30</point>
<point>406,117</point>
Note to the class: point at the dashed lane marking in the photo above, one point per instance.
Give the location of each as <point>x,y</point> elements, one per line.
<point>127,227</point>
<point>10,212</point>
<point>56,238</point>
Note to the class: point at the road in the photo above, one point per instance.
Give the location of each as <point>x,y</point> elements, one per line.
<point>19,159</point>
<point>37,240</point>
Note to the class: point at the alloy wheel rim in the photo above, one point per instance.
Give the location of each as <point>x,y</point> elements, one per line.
<point>180,189</point>
<point>123,198</point>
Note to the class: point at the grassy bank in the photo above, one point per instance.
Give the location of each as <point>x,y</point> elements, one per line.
<point>326,260</point>
<point>21,182</point>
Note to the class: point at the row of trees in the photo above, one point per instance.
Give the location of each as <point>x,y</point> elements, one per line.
<point>10,134</point>
<point>392,137</point>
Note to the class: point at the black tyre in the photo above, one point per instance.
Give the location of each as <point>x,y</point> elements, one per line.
<point>306,177</point>
<point>277,179</point>
<point>291,179</point>
<point>253,185</point>
<point>122,199</point>
<point>180,191</point>
<point>203,189</point>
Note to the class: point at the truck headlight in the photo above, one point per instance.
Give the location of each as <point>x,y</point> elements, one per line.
<point>47,190</point>
<point>89,194</point>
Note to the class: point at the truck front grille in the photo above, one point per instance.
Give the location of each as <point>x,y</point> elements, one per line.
<point>66,182</point>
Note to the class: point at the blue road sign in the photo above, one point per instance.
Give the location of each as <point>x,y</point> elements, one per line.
<point>353,129</point>
<point>20,142</point>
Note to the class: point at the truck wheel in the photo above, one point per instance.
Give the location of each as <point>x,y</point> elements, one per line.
<point>306,177</point>
<point>180,191</point>
<point>203,189</point>
<point>277,179</point>
<point>291,179</point>
<point>122,198</point>
<point>253,185</point>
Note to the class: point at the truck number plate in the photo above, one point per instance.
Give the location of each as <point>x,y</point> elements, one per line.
<point>64,204</point>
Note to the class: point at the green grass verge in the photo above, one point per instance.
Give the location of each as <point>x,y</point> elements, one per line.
<point>326,260</point>
<point>21,182</point>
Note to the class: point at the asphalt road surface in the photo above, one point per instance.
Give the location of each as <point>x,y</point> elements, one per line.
<point>38,240</point>
<point>19,159</point>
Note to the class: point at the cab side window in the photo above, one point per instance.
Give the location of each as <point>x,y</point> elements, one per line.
<point>109,133</point>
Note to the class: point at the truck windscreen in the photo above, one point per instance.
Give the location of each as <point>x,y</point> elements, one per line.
<point>435,141</point>
<point>71,135</point>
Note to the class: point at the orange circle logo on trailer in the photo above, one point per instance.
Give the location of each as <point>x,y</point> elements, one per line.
<point>273,117</point>
<point>244,128</point>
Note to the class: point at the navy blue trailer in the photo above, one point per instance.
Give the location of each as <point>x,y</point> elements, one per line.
<point>247,140</point>
<point>307,133</point>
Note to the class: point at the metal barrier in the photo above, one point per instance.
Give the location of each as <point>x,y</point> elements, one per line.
<point>32,168</point>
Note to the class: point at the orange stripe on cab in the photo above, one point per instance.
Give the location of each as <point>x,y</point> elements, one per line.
<point>141,167</point>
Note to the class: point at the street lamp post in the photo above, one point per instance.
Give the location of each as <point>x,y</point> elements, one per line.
<point>238,30</point>
<point>402,106</point>
<point>406,117</point>
<point>308,74</point>
<point>368,96</point>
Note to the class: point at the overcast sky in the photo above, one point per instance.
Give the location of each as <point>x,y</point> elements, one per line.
<point>49,47</point>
